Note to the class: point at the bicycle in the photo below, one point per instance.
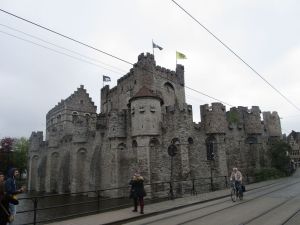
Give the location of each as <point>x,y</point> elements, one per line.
<point>236,193</point>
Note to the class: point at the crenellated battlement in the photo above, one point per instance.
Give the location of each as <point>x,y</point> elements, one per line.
<point>252,119</point>
<point>214,107</point>
<point>165,70</point>
<point>214,118</point>
<point>146,59</point>
<point>36,140</point>
<point>272,123</point>
<point>126,76</point>
<point>253,109</point>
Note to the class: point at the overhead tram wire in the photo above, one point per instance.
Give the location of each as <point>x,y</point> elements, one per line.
<point>101,51</point>
<point>59,52</point>
<point>58,46</point>
<point>233,52</point>
<point>65,36</point>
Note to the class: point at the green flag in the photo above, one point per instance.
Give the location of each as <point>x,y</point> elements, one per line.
<point>180,55</point>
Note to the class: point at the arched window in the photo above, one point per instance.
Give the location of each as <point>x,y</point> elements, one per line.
<point>251,140</point>
<point>169,94</point>
<point>169,87</point>
<point>211,148</point>
<point>74,115</point>
<point>175,141</point>
<point>154,142</point>
<point>134,144</point>
<point>122,146</point>
<point>190,141</point>
<point>59,118</point>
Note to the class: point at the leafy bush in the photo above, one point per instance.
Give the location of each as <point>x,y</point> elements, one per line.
<point>280,159</point>
<point>268,174</point>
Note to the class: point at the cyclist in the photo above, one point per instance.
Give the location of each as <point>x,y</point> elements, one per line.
<point>236,177</point>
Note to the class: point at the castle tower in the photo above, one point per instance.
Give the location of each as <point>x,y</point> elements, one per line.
<point>214,118</point>
<point>75,116</point>
<point>146,112</point>
<point>252,120</point>
<point>35,147</point>
<point>272,124</point>
<point>35,141</point>
<point>146,117</point>
<point>215,125</point>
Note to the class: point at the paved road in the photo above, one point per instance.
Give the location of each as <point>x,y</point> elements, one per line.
<point>278,203</point>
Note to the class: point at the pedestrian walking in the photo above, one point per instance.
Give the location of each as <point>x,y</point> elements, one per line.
<point>5,216</point>
<point>137,192</point>
<point>12,191</point>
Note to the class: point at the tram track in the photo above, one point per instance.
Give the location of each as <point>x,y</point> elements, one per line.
<point>291,217</point>
<point>266,212</point>
<point>219,203</point>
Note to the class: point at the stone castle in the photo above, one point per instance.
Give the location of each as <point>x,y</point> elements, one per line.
<point>140,119</point>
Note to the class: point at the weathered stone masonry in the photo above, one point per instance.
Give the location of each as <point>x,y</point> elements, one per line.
<point>140,118</point>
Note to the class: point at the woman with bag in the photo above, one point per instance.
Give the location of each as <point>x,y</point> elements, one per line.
<point>137,192</point>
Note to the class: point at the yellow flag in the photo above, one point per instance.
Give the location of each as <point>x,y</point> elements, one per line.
<point>180,55</point>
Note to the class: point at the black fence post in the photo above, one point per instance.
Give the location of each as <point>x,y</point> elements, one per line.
<point>171,192</point>
<point>98,199</point>
<point>226,182</point>
<point>35,202</point>
<point>211,183</point>
<point>193,187</point>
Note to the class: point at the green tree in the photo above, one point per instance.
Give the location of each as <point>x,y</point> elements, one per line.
<point>280,159</point>
<point>20,154</point>
<point>6,146</point>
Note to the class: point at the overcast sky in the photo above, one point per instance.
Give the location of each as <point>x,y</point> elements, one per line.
<point>35,75</point>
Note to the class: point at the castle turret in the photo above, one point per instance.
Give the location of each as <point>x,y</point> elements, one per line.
<point>35,140</point>
<point>272,124</point>
<point>252,120</point>
<point>214,118</point>
<point>145,113</point>
<point>145,69</point>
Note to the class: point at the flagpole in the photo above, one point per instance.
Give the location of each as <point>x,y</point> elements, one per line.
<point>176,60</point>
<point>152,48</point>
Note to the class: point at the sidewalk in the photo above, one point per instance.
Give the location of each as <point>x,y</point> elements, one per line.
<point>120,215</point>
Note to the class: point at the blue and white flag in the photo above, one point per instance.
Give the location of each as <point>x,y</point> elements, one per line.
<point>106,78</point>
<point>156,46</point>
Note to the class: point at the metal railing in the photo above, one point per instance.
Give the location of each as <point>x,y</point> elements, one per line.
<point>53,207</point>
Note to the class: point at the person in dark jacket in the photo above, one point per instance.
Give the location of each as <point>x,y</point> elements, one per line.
<point>11,189</point>
<point>4,202</point>
<point>137,192</point>
<point>1,185</point>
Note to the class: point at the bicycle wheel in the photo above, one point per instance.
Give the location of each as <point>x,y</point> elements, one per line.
<point>233,194</point>
<point>241,195</point>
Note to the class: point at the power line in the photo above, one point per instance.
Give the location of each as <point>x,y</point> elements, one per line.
<point>67,37</point>
<point>101,51</point>
<point>58,46</point>
<point>59,52</point>
<point>240,58</point>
